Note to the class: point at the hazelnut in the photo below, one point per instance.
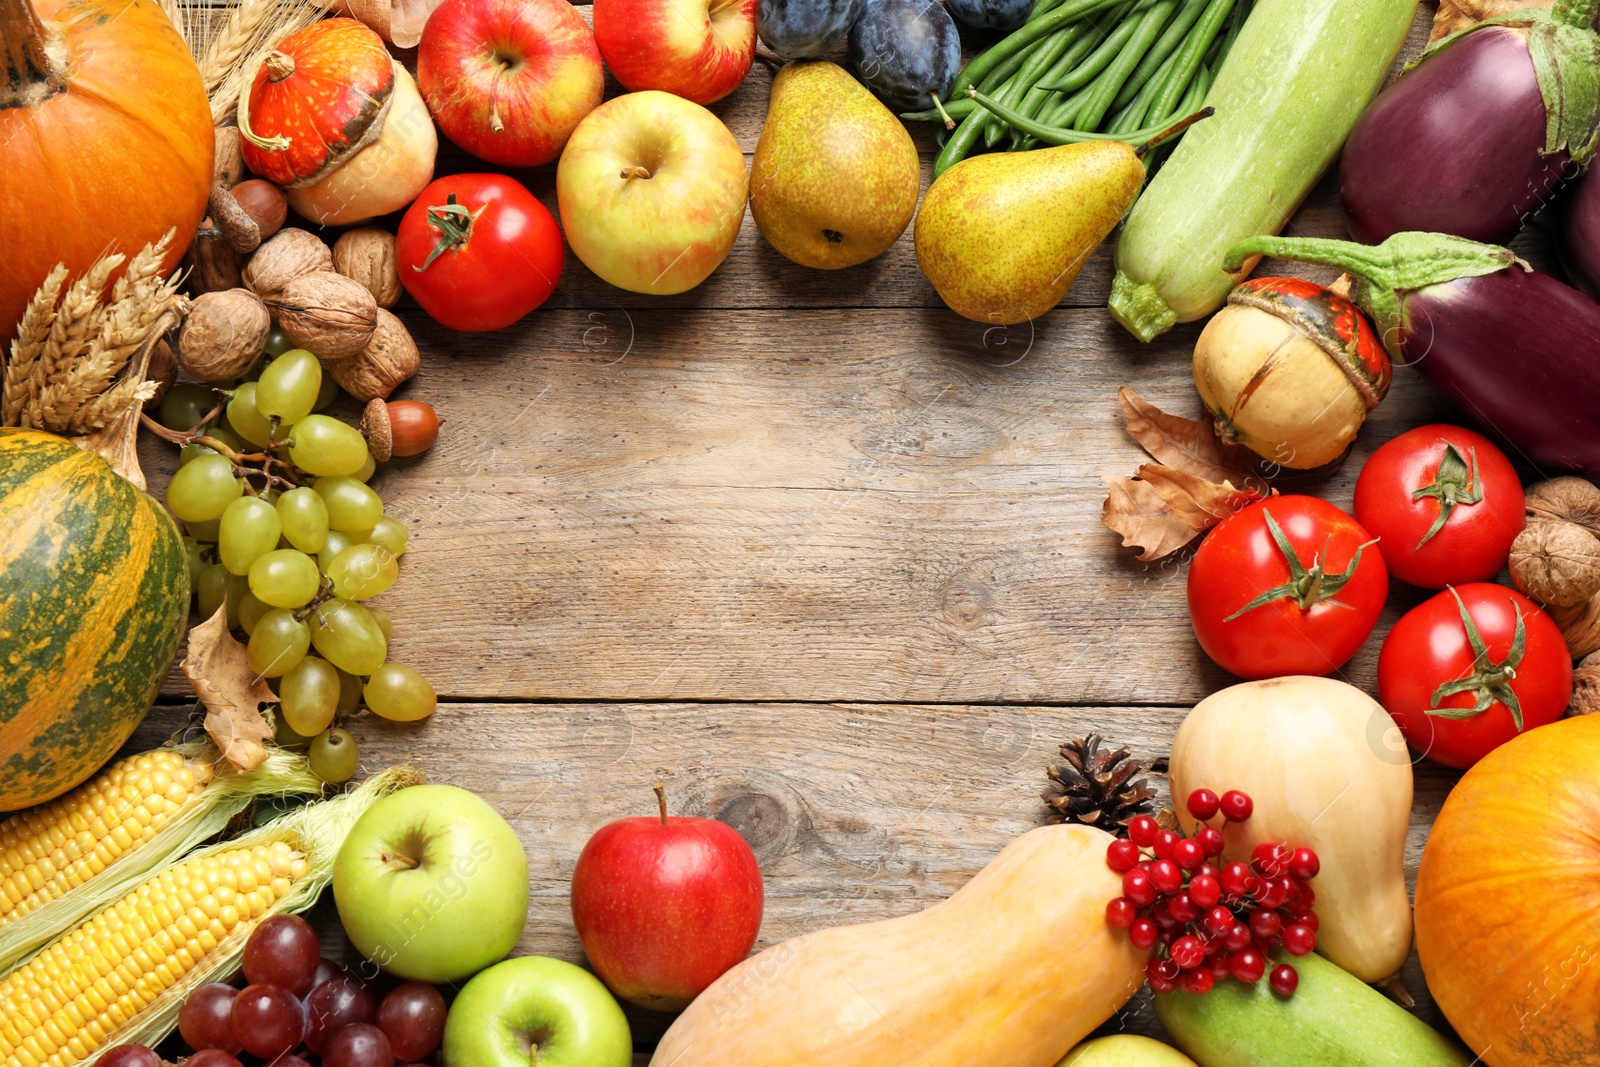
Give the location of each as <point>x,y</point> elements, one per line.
<point>289,254</point>
<point>326,313</point>
<point>389,358</point>
<point>264,203</point>
<point>375,424</point>
<point>1556,563</point>
<point>367,255</point>
<point>223,335</point>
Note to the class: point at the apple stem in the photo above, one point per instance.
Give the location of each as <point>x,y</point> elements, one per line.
<point>661,798</point>
<point>401,860</point>
<point>495,124</point>
<point>635,172</point>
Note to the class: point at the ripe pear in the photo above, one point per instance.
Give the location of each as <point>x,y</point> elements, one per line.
<point>1003,236</point>
<point>835,176</point>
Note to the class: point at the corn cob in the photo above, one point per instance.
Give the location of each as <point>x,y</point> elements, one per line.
<point>65,859</point>
<point>122,975</point>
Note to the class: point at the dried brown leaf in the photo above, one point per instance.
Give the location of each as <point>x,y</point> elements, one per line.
<point>1187,445</point>
<point>1147,522</point>
<point>399,22</point>
<point>1201,504</point>
<point>219,669</point>
<point>1454,15</point>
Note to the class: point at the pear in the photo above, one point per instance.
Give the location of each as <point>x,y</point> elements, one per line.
<point>835,176</point>
<point>1003,236</point>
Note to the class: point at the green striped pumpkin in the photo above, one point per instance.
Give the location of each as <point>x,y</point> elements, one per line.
<point>94,593</point>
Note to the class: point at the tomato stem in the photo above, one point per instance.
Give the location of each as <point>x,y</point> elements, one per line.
<point>1306,585</point>
<point>1453,484</point>
<point>454,223</point>
<point>1489,681</point>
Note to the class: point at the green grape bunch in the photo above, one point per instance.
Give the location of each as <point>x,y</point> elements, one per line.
<point>282,527</point>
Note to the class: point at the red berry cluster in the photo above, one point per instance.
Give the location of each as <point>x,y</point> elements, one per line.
<point>1208,920</point>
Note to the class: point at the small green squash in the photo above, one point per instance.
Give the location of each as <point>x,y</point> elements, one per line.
<point>94,593</point>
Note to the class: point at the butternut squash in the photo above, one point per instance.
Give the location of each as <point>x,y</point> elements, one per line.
<point>1327,768</point>
<point>1011,971</point>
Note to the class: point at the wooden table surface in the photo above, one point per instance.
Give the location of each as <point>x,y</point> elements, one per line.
<point>817,552</point>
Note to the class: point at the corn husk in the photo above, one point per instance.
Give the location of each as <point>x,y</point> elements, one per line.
<point>316,831</point>
<point>283,774</point>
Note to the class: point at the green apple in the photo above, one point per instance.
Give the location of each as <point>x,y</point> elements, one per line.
<point>536,1009</point>
<point>432,884</point>
<point>1125,1050</point>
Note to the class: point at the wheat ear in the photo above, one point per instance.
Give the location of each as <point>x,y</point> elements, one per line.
<point>32,332</point>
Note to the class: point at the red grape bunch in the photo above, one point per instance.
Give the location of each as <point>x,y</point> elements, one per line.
<point>298,1009</point>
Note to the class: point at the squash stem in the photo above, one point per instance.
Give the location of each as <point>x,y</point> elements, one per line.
<point>31,73</point>
<point>1579,13</point>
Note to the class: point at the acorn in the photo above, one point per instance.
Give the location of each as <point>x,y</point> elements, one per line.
<point>1290,369</point>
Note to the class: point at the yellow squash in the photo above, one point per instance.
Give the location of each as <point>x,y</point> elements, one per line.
<point>1012,971</point>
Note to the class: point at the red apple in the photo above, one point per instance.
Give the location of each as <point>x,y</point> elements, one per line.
<point>665,906</point>
<point>698,49</point>
<point>509,80</point>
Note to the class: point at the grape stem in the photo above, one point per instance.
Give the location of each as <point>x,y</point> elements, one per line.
<point>183,437</point>
<point>324,593</point>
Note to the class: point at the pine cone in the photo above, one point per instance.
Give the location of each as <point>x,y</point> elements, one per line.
<point>1098,788</point>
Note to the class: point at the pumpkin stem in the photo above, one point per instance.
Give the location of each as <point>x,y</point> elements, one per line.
<point>33,66</point>
<point>266,144</point>
<point>279,65</point>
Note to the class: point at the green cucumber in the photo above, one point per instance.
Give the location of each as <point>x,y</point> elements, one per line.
<point>1287,96</point>
<point>1333,1020</point>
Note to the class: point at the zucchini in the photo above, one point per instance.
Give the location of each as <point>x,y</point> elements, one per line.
<point>1333,1020</point>
<point>1289,93</point>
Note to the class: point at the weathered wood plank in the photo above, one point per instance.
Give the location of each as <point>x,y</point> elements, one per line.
<point>855,812</point>
<point>862,505</point>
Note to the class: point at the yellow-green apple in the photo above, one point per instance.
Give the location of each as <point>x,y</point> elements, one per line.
<point>538,1010</point>
<point>432,884</point>
<point>665,906</point>
<point>1125,1050</point>
<point>509,80</point>
<point>651,189</point>
<point>698,49</point>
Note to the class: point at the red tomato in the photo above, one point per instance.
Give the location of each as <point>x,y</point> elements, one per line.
<point>1296,600</point>
<point>1459,680</point>
<point>1444,504</point>
<point>478,252</point>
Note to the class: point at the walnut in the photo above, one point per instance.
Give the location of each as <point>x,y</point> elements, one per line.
<point>1556,563</point>
<point>390,358</point>
<point>1580,625</point>
<point>287,256</point>
<point>367,255</point>
<point>1586,686</point>
<point>1565,500</point>
<point>223,335</point>
<point>212,263</point>
<point>326,313</point>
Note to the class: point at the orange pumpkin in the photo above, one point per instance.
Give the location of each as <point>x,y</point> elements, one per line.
<point>1508,898</point>
<point>318,98</point>
<point>105,138</point>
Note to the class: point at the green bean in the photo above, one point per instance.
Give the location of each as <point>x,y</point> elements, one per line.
<point>1110,82</point>
<point>1144,139</point>
<point>1156,59</point>
<point>1004,71</point>
<point>957,109</point>
<point>1069,12</point>
<point>1049,51</point>
<point>1103,56</point>
<point>962,140</point>
<point>1097,32</point>
<point>1134,111</point>
<point>1191,55</point>
<point>1219,51</point>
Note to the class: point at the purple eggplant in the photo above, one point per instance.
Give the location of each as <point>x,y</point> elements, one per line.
<point>1481,133</point>
<point>1578,232</point>
<point>1517,351</point>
